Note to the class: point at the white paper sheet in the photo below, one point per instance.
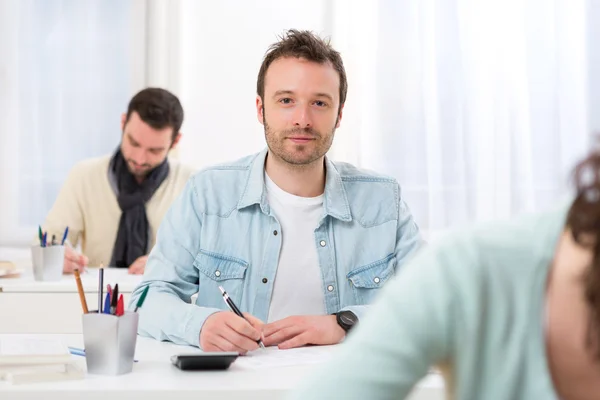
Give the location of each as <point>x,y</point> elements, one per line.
<point>30,345</point>
<point>272,357</point>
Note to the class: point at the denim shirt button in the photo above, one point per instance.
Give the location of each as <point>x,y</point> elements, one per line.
<point>376,280</point>
<point>322,243</point>
<point>265,280</point>
<point>217,273</point>
<point>330,288</point>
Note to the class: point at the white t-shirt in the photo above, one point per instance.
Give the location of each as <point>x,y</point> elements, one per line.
<point>298,286</point>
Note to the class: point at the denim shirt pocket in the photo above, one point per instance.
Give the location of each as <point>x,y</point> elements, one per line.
<point>219,270</point>
<point>366,280</point>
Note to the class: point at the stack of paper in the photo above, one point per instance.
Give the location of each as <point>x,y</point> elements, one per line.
<point>272,357</point>
<point>28,359</point>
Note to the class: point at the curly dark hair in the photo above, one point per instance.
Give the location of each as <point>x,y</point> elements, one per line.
<point>584,221</point>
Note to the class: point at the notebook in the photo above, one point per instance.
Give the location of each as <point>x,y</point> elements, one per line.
<point>32,350</point>
<point>18,375</point>
<point>31,358</point>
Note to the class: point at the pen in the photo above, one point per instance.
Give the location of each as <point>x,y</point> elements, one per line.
<point>65,236</point>
<point>81,292</point>
<point>81,352</point>
<point>107,304</point>
<point>120,306</point>
<point>115,299</point>
<point>44,239</point>
<point>109,291</point>
<point>53,241</point>
<point>236,310</point>
<point>41,235</point>
<point>77,352</point>
<point>100,288</point>
<point>142,298</point>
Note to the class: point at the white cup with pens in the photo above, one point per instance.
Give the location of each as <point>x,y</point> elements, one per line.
<point>109,333</point>
<point>48,258</point>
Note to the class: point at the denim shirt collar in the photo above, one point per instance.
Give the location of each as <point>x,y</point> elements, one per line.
<point>335,201</point>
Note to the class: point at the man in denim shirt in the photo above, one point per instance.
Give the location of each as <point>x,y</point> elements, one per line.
<point>296,240</point>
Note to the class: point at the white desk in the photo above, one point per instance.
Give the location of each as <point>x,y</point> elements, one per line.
<point>154,378</point>
<point>27,306</point>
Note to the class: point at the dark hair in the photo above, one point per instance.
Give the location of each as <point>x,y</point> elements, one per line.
<point>157,107</point>
<point>584,221</point>
<point>306,45</point>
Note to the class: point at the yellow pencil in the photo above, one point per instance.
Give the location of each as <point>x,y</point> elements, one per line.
<point>81,293</point>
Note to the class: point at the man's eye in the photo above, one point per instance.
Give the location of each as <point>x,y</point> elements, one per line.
<point>285,100</point>
<point>320,103</point>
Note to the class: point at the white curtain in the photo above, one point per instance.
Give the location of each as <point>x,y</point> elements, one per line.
<point>220,50</point>
<point>477,107</point>
<point>67,71</point>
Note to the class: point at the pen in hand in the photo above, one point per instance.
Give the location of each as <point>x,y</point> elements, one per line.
<point>236,310</point>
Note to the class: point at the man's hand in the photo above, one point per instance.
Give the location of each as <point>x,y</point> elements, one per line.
<point>73,261</point>
<point>138,266</point>
<point>225,331</point>
<point>301,330</point>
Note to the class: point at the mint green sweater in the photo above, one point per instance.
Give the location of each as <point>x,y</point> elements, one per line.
<point>473,305</point>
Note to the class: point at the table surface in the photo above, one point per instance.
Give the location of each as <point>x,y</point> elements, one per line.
<point>89,280</point>
<point>155,374</point>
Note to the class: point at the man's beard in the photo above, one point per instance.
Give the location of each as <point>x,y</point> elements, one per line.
<point>139,173</point>
<point>302,154</point>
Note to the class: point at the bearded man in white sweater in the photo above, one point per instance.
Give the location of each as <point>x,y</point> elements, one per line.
<point>113,204</point>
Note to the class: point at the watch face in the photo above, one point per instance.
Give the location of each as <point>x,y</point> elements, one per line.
<point>348,318</point>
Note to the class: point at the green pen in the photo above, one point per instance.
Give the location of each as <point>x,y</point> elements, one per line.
<point>41,236</point>
<point>142,298</point>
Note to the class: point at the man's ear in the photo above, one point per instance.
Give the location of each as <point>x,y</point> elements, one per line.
<point>175,141</point>
<point>339,118</point>
<point>123,121</point>
<point>260,108</point>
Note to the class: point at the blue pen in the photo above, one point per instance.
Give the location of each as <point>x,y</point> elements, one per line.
<point>45,235</point>
<point>77,352</point>
<point>65,236</point>
<point>107,304</point>
<point>81,352</point>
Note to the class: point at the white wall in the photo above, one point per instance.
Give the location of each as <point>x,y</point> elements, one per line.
<point>593,33</point>
<point>222,46</point>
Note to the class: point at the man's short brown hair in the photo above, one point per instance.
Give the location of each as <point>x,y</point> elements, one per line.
<point>306,45</point>
<point>158,108</point>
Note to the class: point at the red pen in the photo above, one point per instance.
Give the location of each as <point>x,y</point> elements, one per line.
<point>120,307</point>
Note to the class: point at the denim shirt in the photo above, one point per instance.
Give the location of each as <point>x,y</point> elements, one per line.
<point>221,232</point>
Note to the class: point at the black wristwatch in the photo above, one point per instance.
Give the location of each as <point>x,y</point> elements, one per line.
<point>346,319</point>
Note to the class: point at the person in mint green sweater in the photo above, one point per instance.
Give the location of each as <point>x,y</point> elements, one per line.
<point>506,311</point>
